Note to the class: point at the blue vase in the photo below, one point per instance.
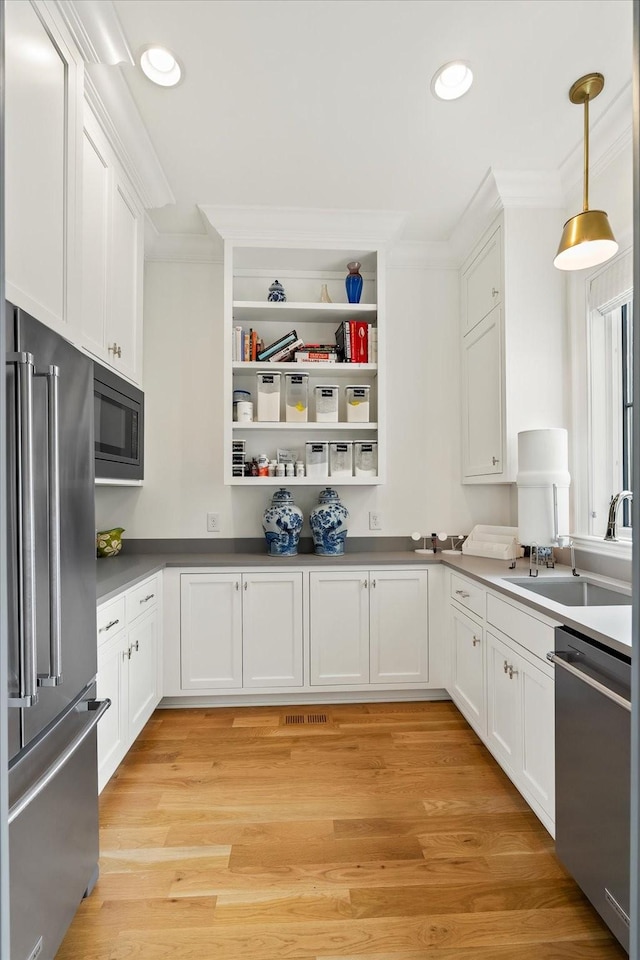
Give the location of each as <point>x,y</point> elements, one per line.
<point>354,281</point>
<point>282,523</point>
<point>328,521</point>
<point>276,293</point>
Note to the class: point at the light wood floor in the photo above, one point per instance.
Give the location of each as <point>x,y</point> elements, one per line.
<point>385,833</point>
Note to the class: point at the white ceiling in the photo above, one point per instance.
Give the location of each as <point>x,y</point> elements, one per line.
<point>326,103</point>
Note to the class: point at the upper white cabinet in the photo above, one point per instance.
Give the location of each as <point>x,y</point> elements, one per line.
<point>112,258</point>
<point>513,365</point>
<point>43,117</point>
<point>303,270</point>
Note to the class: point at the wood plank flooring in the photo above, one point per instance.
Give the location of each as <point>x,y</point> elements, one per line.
<point>385,833</point>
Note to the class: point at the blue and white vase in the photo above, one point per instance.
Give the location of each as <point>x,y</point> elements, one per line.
<point>328,522</point>
<point>354,282</point>
<point>276,293</point>
<point>282,523</point>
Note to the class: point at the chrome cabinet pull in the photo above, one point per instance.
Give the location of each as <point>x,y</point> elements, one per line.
<point>137,645</point>
<point>476,640</point>
<point>149,596</point>
<point>494,292</point>
<point>129,653</point>
<point>373,583</point>
<point>115,349</point>
<point>463,594</point>
<point>512,672</point>
<point>495,461</point>
<point>108,626</point>
<point>54,677</point>
<point>590,682</point>
<point>246,584</point>
<point>237,585</point>
<point>365,584</point>
<point>506,667</point>
<point>27,668</point>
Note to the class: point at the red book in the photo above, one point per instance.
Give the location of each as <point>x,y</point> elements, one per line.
<point>359,341</point>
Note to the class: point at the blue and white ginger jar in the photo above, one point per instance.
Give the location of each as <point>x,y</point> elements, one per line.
<point>276,293</point>
<point>282,523</point>
<point>328,522</point>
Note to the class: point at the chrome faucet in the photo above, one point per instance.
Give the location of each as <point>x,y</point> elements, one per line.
<point>614,504</point>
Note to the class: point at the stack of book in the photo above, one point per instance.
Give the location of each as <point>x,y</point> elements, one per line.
<point>357,342</point>
<point>282,349</point>
<point>246,344</point>
<point>317,353</point>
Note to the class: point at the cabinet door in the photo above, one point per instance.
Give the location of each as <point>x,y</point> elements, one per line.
<point>210,631</point>
<point>481,283</point>
<point>272,630</point>
<point>482,399</point>
<point>399,627</point>
<point>113,682</point>
<point>538,736</point>
<point>125,283</point>
<point>144,694</point>
<point>339,609</point>
<point>95,217</point>
<point>467,669</point>
<point>41,114</point>
<point>503,703</point>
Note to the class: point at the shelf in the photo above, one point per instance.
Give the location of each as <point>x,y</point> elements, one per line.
<point>342,370</point>
<point>259,311</point>
<point>304,481</point>
<point>303,427</point>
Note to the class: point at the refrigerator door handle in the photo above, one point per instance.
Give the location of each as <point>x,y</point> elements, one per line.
<point>96,708</point>
<point>27,693</point>
<point>54,677</point>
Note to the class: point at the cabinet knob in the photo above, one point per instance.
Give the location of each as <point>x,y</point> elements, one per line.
<point>476,640</point>
<point>495,461</point>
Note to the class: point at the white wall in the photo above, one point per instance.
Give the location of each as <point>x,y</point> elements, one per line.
<point>183,449</point>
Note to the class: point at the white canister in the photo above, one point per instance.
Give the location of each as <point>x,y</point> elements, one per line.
<point>268,397</point>
<point>357,403</point>
<point>296,397</point>
<point>317,456</point>
<point>326,396</point>
<point>245,411</point>
<point>365,458</point>
<point>341,458</point>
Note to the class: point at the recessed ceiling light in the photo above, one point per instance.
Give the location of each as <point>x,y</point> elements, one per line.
<point>160,66</point>
<point>452,80</point>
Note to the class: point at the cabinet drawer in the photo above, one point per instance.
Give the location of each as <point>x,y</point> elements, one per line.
<point>468,595</point>
<point>532,634</point>
<point>111,619</point>
<point>142,598</point>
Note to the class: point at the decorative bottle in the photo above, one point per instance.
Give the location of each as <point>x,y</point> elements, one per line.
<point>328,522</point>
<point>353,282</point>
<point>276,293</point>
<point>282,523</point>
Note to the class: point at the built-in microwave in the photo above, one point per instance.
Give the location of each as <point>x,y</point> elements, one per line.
<point>118,409</point>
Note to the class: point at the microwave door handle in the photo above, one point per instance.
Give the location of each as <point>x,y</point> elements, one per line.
<point>54,677</point>
<point>27,693</point>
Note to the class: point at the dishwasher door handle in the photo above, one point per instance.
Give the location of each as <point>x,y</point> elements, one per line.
<point>600,687</point>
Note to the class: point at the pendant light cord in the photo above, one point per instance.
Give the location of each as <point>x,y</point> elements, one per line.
<point>585,202</point>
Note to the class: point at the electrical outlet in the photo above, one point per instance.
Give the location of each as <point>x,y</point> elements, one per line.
<point>375,520</point>
<point>213,523</point>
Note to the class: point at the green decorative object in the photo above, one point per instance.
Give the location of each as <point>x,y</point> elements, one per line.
<point>109,542</point>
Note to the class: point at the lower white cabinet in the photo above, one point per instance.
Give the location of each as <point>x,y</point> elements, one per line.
<point>501,682</point>
<point>368,626</point>
<point>240,630</point>
<point>129,671</point>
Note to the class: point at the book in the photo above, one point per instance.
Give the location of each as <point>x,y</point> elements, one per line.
<point>359,330</point>
<point>286,354</point>
<point>254,345</point>
<point>343,342</point>
<point>277,345</point>
<point>373,344</point>
<point>237,343</point>
<point>315,356</point>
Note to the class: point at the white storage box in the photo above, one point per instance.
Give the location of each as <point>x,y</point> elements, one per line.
<point>268,397</point>
<point>296,397</point>
<point>317,455</point>
<point>326,403</point>
<point>357,398</point>
<point>365,458</point>
<point>341,459</point>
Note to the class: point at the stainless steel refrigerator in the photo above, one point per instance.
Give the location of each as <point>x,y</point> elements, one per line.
<point>51,610</point>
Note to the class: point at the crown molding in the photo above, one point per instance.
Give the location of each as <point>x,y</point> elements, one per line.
<point>609,136</point>
<point>96,30</point>
<point>180,247</point>
<point>303,225</point>
<point>109,97</point>
<point>422,255</point>
<point>503,190</point>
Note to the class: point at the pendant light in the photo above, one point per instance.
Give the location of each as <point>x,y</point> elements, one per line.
<point>587,238</point>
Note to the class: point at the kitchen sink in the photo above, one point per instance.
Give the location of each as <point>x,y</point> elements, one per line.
<point>573,591</point>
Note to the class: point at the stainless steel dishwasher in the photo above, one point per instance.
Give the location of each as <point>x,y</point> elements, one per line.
<point>593,758</point>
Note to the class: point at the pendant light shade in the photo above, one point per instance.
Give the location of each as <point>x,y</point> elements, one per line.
<point>587,239</point>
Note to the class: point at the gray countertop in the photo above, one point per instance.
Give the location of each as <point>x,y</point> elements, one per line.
<point>608,625</point>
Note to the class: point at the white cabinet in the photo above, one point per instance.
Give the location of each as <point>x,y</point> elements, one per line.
<point>43,97</point>
<point>112,258</point>
<point>129,670</point>
<point>368,626</point>
<point>502,683</point>
<point>467,684</point>
<point>513,353</point>
<point>249,270</point>
<point>240,630</point>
